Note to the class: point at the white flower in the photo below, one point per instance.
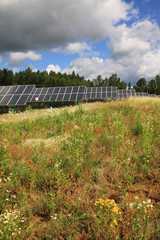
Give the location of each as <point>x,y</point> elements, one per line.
<point>149,200</point>
<point>131,205</point>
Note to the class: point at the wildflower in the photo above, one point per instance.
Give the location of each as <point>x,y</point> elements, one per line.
<point>49,160</point>
<point>30,161</point>
<point>154,163</point>
<point>135,197</point>
<point>110,205</point>
<point>56,149</point>
<point>97,135</point>
<point>87,174</point>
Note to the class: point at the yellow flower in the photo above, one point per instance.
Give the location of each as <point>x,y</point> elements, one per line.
<point>110,205</point>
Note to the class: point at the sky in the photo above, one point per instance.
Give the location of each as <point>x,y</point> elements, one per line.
<point>90,37</point>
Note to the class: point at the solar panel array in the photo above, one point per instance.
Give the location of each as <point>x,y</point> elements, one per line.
<point>23,94</point>
<point>58,94</point>
<point>125,93</point>
<point>141,94</point>
<point>101,92</point>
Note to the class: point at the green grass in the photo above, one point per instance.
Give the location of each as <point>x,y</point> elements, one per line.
<point>54,168</point>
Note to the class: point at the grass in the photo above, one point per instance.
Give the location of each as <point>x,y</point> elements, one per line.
<point>86,172</point>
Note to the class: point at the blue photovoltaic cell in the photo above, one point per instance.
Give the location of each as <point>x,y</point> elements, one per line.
<point>53,97</point>
<point>88,95</point>
<point>1,87</point>
<point>50,90</point>
<point>93,95</point>
<point>44,90</point>
<point>13,100</point>
<point>47,98</point>
<point>82,89</point>
<point>99,89</point>
<point>98,95</point>
<point>29,89</point>
<point>1,97</point>
<point>103,95</point>
<point>80,96</point>
<point>41,97</point>
<point>60,97</point>
<point>66,97</point>
<point>69,90</point>
<point>56,90</point>
<point>62,90</point>
<point>89,90</point>
<point>22,100</point>
<point>20,89</point>
<point>12,90</point>
<point>5,89</point>
<point>94,89</point>
<point>5,100</point>
<point>73,97</point>
<point>75,89</point>
<point>38,90</point>
<point>109,94</point>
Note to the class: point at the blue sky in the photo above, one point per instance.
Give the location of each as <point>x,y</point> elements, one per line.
<point>91,37</point>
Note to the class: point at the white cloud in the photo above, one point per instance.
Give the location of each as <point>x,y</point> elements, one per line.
<point>17,58</point>
<point>134,53</point>
<point>15,70</point>
<point>73,48</point>
<point>54,68</point>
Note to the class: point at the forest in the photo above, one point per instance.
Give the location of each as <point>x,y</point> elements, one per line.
<point>53,79</point>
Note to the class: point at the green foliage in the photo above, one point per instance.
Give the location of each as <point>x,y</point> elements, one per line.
<point>138,130</point>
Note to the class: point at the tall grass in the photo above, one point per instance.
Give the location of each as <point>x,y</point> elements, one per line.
<point>82,174</point>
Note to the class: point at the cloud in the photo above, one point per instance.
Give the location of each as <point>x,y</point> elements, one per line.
<point>15,70</point>
<point>81,48</point>
<point>54,68</point>
<point>73,48</point>
<point>17,58</point>
<point>47,24</point>
<point>134,53</point>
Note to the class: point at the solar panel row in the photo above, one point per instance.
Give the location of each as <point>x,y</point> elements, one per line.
<point>23,94</point>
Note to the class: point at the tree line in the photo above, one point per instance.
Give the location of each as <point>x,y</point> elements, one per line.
<point>53,79</point>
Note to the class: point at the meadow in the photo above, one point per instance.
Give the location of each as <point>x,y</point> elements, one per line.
<point>90,171</point>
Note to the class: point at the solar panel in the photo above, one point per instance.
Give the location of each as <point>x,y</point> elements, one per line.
<point>15,95</point>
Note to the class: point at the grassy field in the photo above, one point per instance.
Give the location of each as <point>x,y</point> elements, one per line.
<point>90,171</point>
